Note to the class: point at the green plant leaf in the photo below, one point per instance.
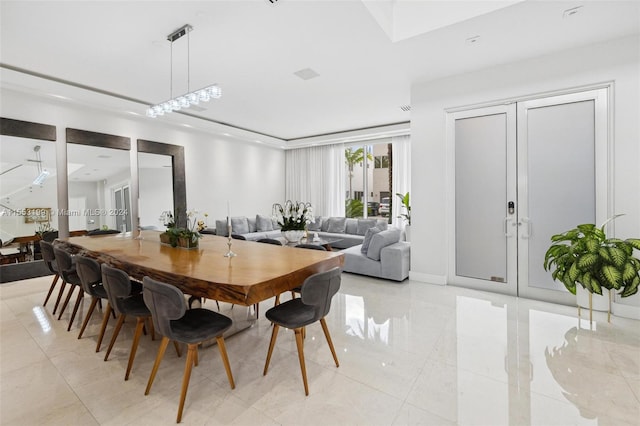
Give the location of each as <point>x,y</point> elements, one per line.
<point>586,261</point>
<point>574,272</point>
<point>618,256</point>
<point>586,228</point>
<point>629,272</point>
<point>592,245</point>
<point>634,242</point>
<point>612,276</point>
<point>632,288</point>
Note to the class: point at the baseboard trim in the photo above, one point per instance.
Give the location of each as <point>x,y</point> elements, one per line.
<point>625,311</point>
<point>428,278</point>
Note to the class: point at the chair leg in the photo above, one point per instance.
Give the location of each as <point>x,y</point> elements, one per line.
<point>177,346</point>
<point>66,301</point>
<point>225,360</point>
<point>103,327</point>
<point>272,343</point>
<point>60,292</point>
<point>303,368</point>
<point>115,335</point>
<point>328,337</point>
<point>156,364</point>
<point>134,345</point>
<point>87,317</point>
<point>75,308</point>
<point>195,357</point>
<point>53,285</point>
<point>187,376</point>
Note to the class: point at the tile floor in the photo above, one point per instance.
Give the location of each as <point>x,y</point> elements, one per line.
<point>409,353</point>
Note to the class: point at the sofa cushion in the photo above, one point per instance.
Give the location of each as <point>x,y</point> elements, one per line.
<point>276,225</point>
<point>316,225</point>
<point>351,226</point>
<point>381,240</point>
<point>264,223</point>
<point>367,239</point>
<point>221,228</point>
<point>364,225</point>
<point>382,224</point>
<point>239,225</point>
<point>253,225</point>
<point>325,224</point>
<point>337,224</point>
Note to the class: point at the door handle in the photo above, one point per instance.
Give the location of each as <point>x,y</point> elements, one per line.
<point>525,221</point>
<point>505,225</point>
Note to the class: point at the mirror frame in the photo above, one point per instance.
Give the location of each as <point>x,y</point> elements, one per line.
<point>178,170</point>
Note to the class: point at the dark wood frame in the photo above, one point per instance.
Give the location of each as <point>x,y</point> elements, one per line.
<point>178,169</point>
<point>27,129</point>
<point>102,140</point>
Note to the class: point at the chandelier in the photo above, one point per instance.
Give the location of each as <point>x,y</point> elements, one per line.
<point>192,97</point>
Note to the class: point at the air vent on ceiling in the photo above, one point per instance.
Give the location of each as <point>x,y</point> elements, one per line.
<point>405,108</point>
<point>306,74</point>
<point>571,12</point>
<point>472,40</point>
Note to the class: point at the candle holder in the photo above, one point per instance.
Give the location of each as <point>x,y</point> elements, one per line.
<point>229,252</point>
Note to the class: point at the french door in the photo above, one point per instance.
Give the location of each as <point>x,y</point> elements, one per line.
<point>523,172</point>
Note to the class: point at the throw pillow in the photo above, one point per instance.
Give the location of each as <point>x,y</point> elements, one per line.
<point>382,224</point>
<point>367,239</point>
<point>380,241</point>
<point>351,226</point>
<point>264,223</point>
<point>221,228</point>
<point>337,225</point>
<point>239,225</point>
<point>364,225</point>
<point>316,225</point>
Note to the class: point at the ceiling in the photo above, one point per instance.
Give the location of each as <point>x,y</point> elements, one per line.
<point>367,54</point>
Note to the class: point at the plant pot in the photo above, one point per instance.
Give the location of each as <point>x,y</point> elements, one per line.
<point>293,236</point>
<point>165,238</point>
<point>187,243</point>
<point>600,302</point>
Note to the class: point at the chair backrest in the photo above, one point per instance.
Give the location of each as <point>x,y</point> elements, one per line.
<point>311,246</point>
<point>318,289</point>
<point>89,272</point>
<point>117,285</point>
<point>49,256</point>
<point>269,241</point>
<point>165,302</point>
<point>50,236</point>
<point>103,232</point>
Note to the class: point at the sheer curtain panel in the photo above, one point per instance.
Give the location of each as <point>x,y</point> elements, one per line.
<point>401,175</point>
<point>317,175</point>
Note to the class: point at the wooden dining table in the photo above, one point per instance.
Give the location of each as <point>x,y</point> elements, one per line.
<point>257,272</point>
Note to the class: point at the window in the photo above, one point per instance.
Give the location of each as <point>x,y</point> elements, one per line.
<point>366,185</point>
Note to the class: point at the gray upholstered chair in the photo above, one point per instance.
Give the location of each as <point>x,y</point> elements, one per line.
<point>295,314</point>
<point>49,258</point>
<point>269,241</point>
<point>118,287</point>
<point>67,268</point>
<point>175,322</point>
<point>91,279</point>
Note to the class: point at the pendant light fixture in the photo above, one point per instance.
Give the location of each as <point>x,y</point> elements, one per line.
<point>191,98</point>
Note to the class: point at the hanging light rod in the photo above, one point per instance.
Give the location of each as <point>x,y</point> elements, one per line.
<point>192,98</point>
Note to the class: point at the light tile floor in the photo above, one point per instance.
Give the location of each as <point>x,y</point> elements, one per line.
<point>409,353</point>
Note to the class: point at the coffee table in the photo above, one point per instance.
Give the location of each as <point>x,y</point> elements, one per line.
<point>324,242</point>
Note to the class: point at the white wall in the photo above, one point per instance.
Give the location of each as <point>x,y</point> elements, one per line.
<point>218,169</point>
<point>617,61</point>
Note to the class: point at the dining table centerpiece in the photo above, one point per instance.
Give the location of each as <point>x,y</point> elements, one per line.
<point>293,218</point>
<point>186,237</point>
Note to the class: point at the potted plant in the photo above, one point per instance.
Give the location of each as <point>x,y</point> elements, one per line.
<point>181,237</point>
<point>585,256</point>
<point>293,219</point>
<point>404,199</point>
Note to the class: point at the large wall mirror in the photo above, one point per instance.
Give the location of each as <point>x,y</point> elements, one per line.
<point>162,186</point>
<point>28,188</point>
<point>99,181</point>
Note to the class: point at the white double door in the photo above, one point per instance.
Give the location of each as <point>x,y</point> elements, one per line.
<point>523,172</point>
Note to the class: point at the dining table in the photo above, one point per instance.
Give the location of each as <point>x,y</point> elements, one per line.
<point>256,273</point>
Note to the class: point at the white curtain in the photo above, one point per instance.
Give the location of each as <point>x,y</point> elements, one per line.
<point>317,175</point>
<point>401,175</point>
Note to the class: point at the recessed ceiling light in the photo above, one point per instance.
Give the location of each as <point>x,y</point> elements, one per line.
<point>572,12</point>
<point>307,74</point>
<point>60,96</point>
